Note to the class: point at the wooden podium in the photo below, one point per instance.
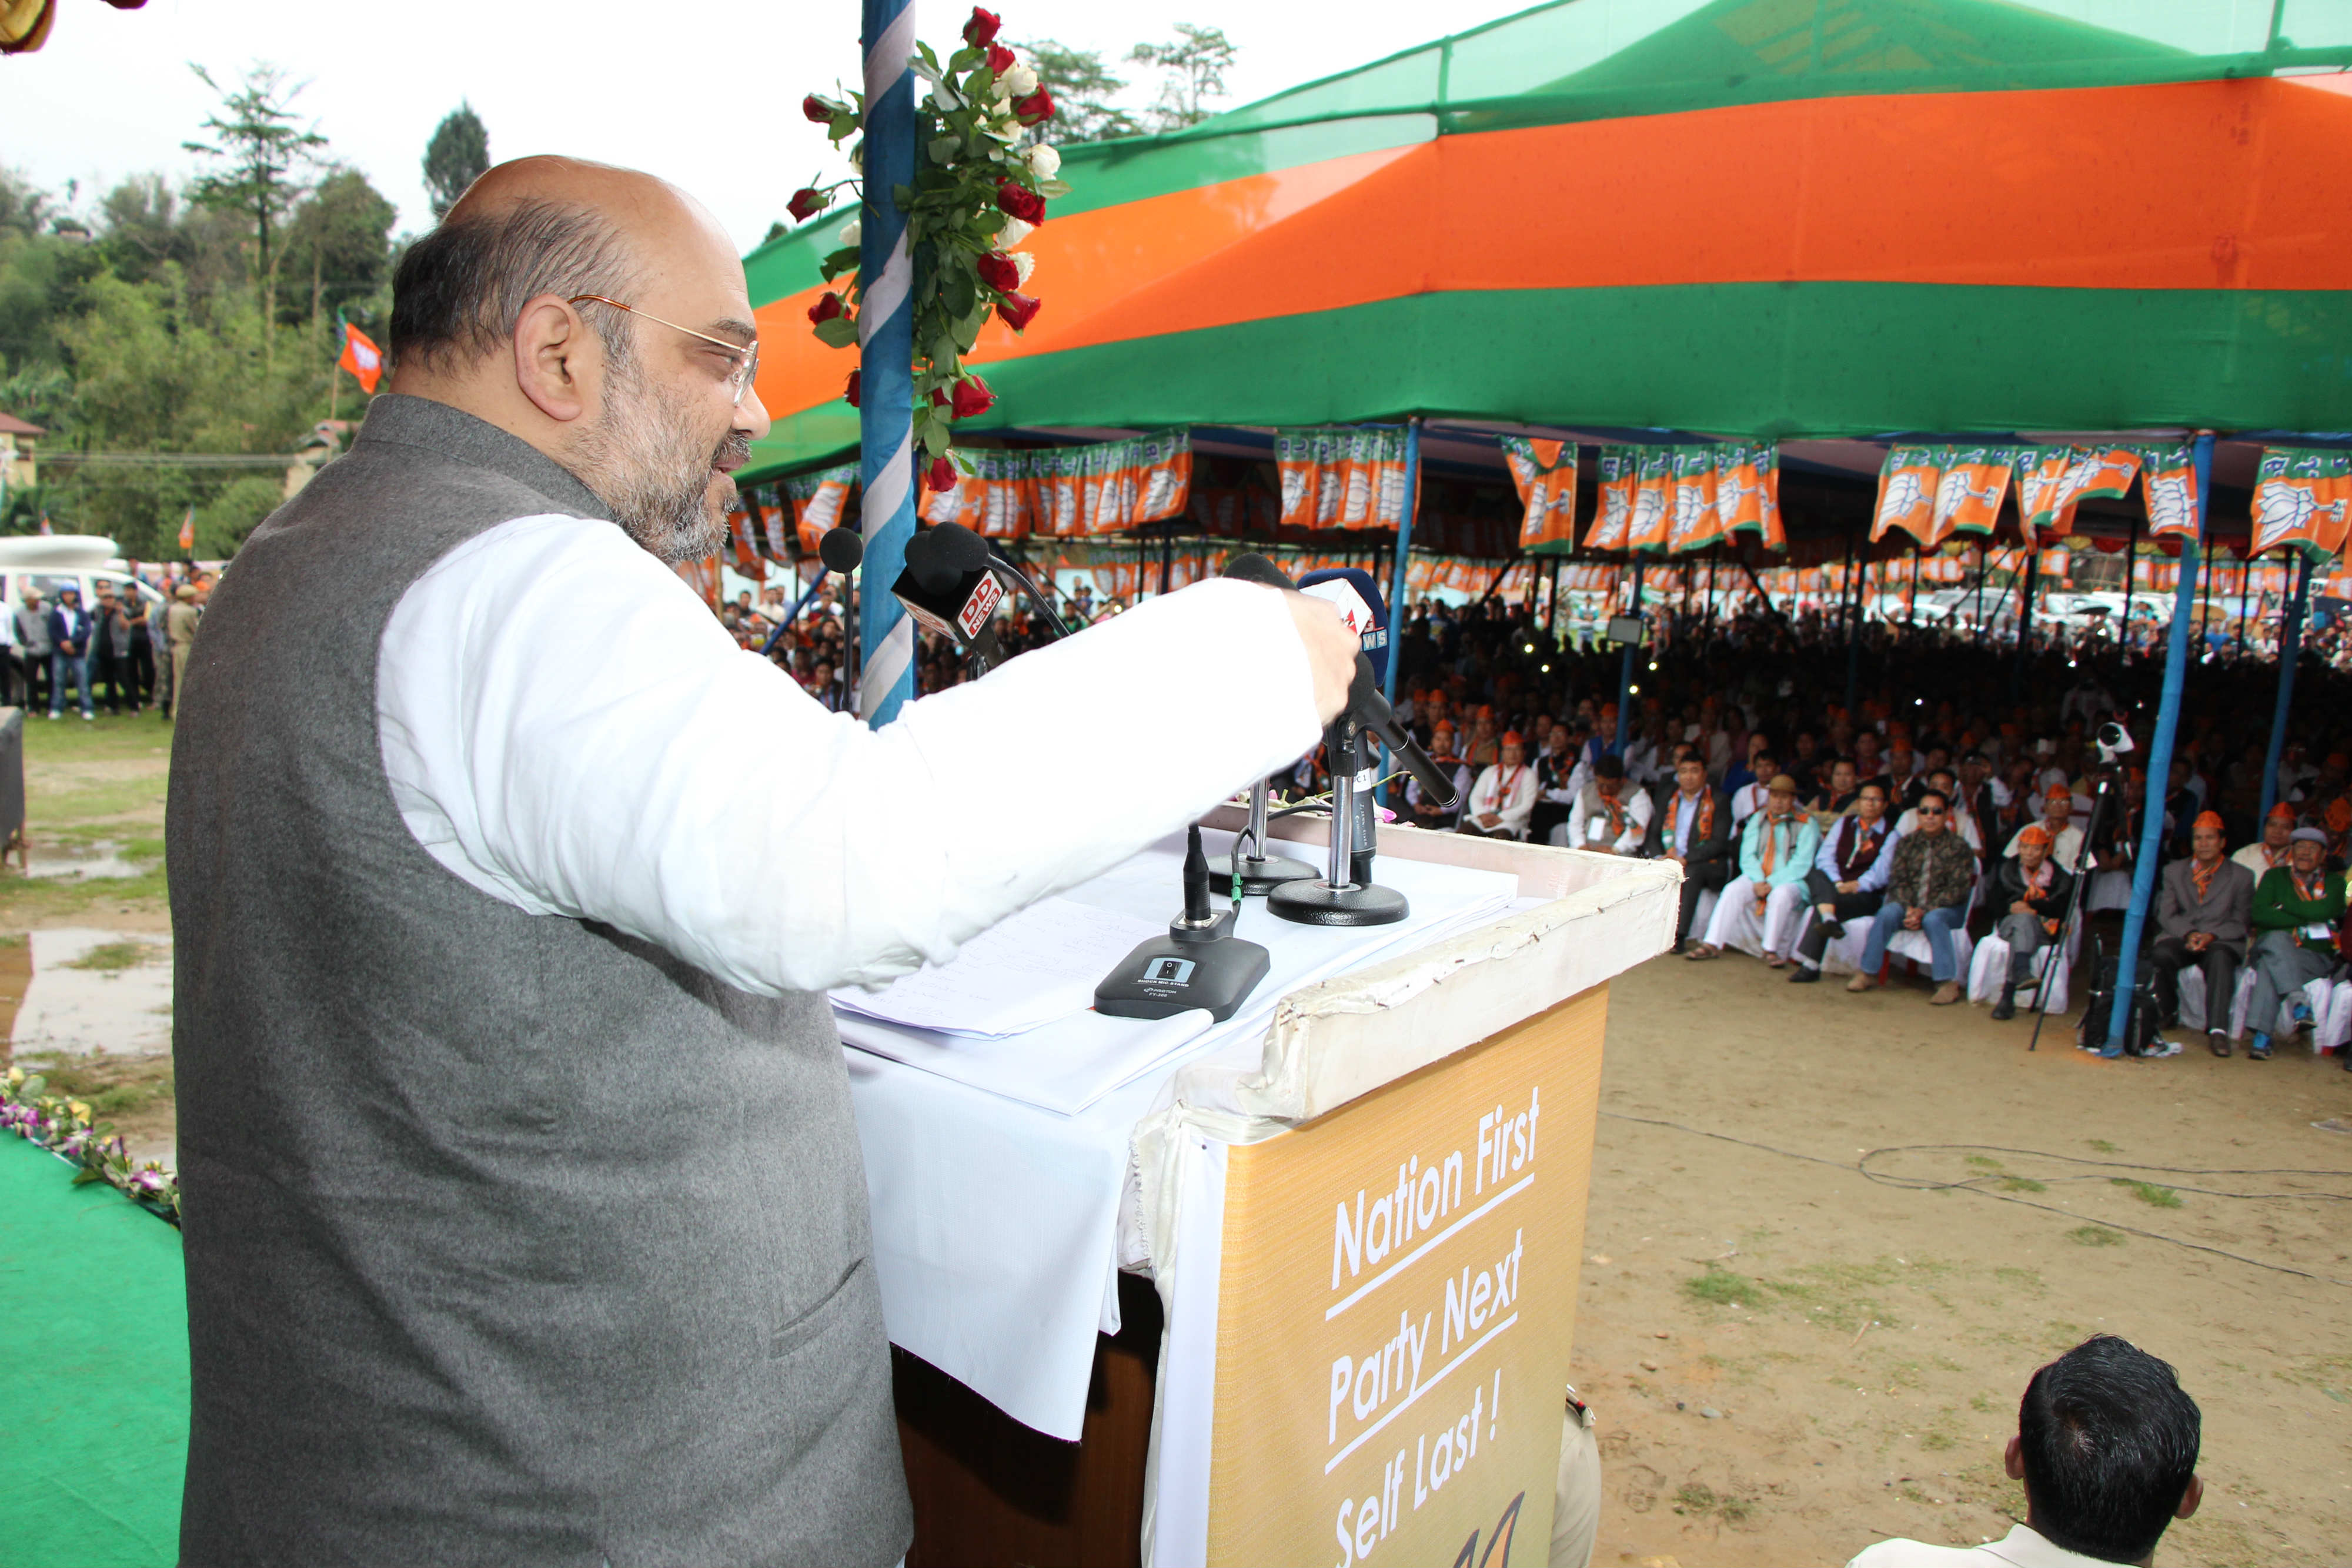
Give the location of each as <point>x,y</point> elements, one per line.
<point>1365,1258</point>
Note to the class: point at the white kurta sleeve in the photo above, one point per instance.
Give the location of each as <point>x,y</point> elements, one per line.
<point>565,727</point>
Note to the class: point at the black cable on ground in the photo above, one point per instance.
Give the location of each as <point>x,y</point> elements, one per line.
<point>1860,1167</point>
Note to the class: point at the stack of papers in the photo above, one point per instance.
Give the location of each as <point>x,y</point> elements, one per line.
<point>1012,1014</point>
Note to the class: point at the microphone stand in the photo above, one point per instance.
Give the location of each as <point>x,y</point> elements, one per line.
<point>1258,872</point>
<point>1337,899</point>
<point>785,625</point>
<point>2074,908</point>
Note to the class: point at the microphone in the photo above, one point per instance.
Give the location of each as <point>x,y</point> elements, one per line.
<point>839,552</point>
<point>950,588</point>
<point>1353,592</point>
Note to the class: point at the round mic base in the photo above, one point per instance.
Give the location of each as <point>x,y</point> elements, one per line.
<point>1316,903</point>
<point>1258,877</point>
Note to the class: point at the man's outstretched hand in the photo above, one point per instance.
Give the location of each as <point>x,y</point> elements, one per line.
<point>1331,651</point>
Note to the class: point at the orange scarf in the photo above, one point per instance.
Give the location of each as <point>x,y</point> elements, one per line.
<point>1700,828</point>
<point>1772,838</point>
<point>2202,876</point>
<point>1861,847</point>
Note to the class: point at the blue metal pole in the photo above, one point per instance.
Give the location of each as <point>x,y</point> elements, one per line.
<point>1625,671</point>
<point>1399,592</point>
<point>2290,649</point>
<point>2160,754</point>
<point>886,325</point>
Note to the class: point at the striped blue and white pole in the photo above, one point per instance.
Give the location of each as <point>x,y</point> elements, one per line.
<point>885,337</point>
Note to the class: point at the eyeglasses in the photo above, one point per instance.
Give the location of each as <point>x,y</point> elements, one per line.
<point>747,360</point>
<point>1931,810</point>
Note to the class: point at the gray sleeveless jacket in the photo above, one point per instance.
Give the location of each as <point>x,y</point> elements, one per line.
<point>510,1239</point>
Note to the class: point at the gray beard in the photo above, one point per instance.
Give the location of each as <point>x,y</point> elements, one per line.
<point>645,462</point>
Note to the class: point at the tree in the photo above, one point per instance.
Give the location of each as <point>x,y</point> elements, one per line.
<point>342,237</point>
<point>1082,89</point>
<point>458,155</point>
<point>258,162</point>
<point>1193,71</point>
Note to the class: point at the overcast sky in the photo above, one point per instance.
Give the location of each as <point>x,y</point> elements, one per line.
<point>703,93</point>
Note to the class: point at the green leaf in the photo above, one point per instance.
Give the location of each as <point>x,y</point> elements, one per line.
<point>942,149</point>
<point>936,440</point>
<point>1051,188</point>
<point>840,332</point>
<point>960,286</point>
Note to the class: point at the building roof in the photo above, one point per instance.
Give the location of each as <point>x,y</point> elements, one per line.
<point>11,426</point>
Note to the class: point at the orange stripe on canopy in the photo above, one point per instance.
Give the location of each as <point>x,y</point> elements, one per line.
<point>2130,187</point>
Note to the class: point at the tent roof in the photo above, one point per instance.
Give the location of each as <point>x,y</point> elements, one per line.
<point>1793,218</point>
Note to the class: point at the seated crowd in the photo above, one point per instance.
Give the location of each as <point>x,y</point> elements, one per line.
<point>1950,822</point>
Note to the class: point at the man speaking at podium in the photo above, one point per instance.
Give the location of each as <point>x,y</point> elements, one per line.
<point>524,1217</point>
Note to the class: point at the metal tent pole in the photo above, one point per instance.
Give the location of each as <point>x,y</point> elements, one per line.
<point>886,456</point>
<point>2131,581</point>
<point>2245,582</point>
<point>1400,586</point>
<point>2159,756</point>
<point>1625,669</point>
<point>2024,622</point>
<point>1852,627</point>
<point>2290,649</point>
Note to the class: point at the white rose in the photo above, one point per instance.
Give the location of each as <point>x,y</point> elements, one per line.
<point>1044,163</point>
<point>852,232</point>
<point>1020,81</point>
<point>1014,232</point>
<point>1023,264</point>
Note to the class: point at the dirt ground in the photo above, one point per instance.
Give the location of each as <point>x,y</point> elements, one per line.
<point>1794,1350</point>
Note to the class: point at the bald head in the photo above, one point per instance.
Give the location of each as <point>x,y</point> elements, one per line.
<point>599,315</point>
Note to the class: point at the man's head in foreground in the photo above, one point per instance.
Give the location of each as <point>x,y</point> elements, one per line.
<point>601,316</point>
<point>2106,1445</point>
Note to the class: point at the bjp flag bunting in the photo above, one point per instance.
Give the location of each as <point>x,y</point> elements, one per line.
<point>817,501</point>
<point>2301,497</point>
<point>1681,498</point>
<point>1545,473</point>
<point>1934,492</point>
<point>1342,477</point>
<point>1067,491</point>
<point>747,547</point>
<point>362,358</point>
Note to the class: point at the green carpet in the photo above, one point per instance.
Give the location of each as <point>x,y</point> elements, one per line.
<point>95,1433</point>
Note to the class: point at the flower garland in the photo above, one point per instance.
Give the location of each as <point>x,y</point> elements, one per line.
<point>63,1127</point>
<point>977,196</point>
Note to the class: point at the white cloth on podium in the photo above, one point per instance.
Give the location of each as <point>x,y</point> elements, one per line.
<point>998,1181</point>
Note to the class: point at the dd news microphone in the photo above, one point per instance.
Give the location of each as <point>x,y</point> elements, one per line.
<point>949,586</point>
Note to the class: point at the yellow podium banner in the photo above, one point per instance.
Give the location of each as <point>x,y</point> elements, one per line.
<point>1396,1307</point>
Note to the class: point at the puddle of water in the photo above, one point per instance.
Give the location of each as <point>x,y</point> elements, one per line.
<point>120,1011</point>
<point>106,861</point>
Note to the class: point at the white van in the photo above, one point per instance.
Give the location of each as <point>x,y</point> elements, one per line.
<point>51,562</point>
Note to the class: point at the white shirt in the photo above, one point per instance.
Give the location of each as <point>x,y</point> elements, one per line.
<point>1637,824</point>
<point>1514,806</point>
<point>2021,1547</point>
<point>567,728</point>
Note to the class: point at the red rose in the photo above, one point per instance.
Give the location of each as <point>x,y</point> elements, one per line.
<point>1015,200</point>
<point>1035,109</point>
<point>943,473</point>
<point>971,397</point>
<point>855,377</point>
<point>824,309</point>
<point>980,31</point>
<point>1017,310</point>
<point>805,204</point>
<point>997,270</point>
<point>1000,60</point>
<point>938,397</point>
<point>814,108</point>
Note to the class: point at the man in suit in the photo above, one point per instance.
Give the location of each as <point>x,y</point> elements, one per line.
<point>69,652</point>
<point>1691,824</point>
<point>2031,891</point>
<point>2204,912</point>
<point>1848,878</point>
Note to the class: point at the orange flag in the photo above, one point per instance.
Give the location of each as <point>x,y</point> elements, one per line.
<point>188,533</point>
<point>362,358</point>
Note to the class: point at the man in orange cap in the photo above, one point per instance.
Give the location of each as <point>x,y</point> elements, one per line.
<point>2204,910</point>
<point>2270,850</point>
<point>1505,796</point>
<point>2031,890</point>
<point>2058,817</point>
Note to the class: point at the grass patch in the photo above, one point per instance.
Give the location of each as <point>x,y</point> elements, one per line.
<point>2022,1184</point>
<point>112,1085</point>
<point>2095,1236</point>
<point>113,958</point>
<point>48,900</point>
<point>2103,1146</point>
<point>1722,1288</point>
<point>1984,1161</point>
<point>2148,1192</point>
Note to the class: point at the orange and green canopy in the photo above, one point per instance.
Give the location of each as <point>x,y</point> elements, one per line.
<point>1760,218</point>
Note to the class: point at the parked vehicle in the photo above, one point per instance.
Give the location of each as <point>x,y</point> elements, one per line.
<point>50,562</point>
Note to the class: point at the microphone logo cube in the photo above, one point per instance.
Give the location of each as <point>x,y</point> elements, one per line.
<point>981,605</point>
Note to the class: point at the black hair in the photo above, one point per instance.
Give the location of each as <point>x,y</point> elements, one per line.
<point>1611,766</point>
<point>1938,795</point>
<point>460,290</point>
<point>2109,1441</point>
